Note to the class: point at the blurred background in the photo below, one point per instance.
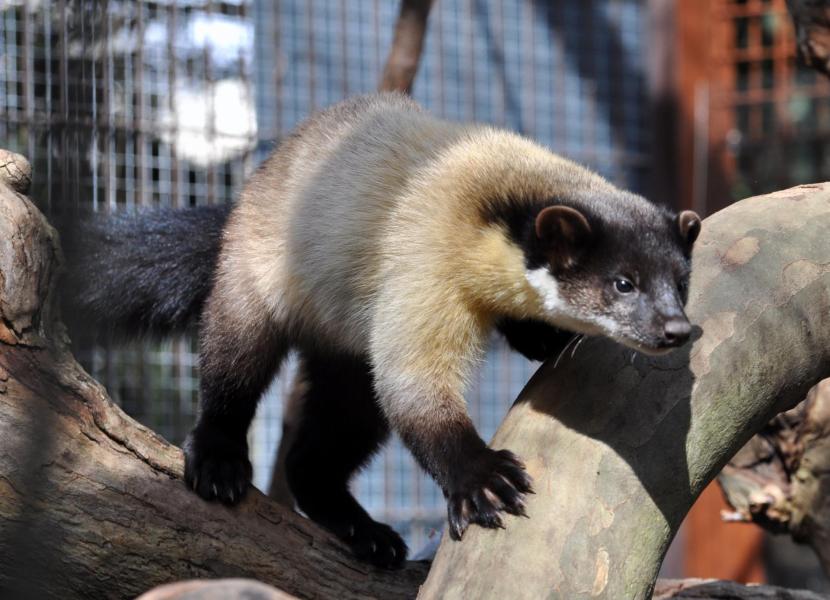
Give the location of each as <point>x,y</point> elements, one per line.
<point>124,104</point>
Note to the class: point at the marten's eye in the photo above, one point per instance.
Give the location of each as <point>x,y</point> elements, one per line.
<point>623,285</point>
<point>683,286</point>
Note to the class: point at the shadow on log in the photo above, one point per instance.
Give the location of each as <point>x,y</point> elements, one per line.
<point>92,503</point>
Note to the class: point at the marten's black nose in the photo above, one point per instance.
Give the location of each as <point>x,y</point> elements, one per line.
<point>677,331</point>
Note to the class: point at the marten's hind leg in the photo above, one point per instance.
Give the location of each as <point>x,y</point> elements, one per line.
<point>340,427</point>
<point>240,350</point>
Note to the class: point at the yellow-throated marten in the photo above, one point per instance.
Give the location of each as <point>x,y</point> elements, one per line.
<point>383,241</point>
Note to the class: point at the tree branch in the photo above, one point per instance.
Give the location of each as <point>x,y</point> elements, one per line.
<point>405,54</point>
<point>620,446</point>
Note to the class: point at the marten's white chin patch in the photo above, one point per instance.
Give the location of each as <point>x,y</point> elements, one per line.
<point>545,284</point>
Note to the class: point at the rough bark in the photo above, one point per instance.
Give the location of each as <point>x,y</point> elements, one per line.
<point>811,19</point>
<point>781,478</point>
<point>92,504</point>
<point>620,445</point>
<point>405,54</point>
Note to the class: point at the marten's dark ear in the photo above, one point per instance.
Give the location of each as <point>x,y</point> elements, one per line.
<point>689,224</point>
<point>565,232</point>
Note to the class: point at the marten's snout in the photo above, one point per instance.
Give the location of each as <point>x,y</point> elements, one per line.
<point>676,331</point>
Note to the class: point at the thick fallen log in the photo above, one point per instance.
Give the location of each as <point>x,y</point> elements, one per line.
<point>620,445</point>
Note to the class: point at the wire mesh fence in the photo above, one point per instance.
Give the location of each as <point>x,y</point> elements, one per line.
<point>122,104</point>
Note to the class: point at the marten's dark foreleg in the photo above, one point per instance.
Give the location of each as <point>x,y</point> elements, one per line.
<point>478,482</point>
<point>239,355</point>
<point>339,429</point>
<point>420,365</point>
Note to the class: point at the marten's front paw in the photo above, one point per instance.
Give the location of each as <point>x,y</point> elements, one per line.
<point>495,481</point>
<point>216,465</point>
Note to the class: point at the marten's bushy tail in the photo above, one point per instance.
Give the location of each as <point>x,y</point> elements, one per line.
<point>147,273</point>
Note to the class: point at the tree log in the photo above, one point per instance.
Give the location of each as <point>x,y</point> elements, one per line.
<point>620,445</point>
<point>92,504</point>
<point>780,479</point>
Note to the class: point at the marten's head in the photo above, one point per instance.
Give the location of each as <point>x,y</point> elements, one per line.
<point>615,266</point>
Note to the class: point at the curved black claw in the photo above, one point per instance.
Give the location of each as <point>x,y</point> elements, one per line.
<point>216,466</point>
<point>496,482</point>
<point>376,543</point>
